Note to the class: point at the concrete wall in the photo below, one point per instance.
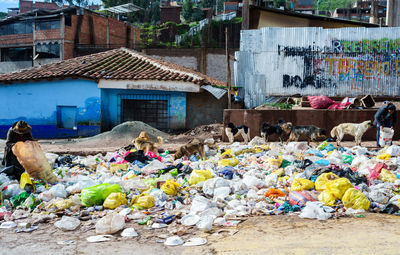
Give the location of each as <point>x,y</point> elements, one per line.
<point>326,119</point>
<point>207,61</point>
<point>111,109</point>
<point>203,108</point>
<point>36,103</point>
<point>315,61</point>
<point>6,67</point>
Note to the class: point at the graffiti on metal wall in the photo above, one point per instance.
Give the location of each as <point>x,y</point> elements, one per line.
<point>344,61</point>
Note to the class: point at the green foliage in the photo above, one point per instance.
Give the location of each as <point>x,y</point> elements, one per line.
<point>331,5</point>
<point>187,10</point>
<point>236,20</point>
<point>281,106</point>
<point>3,15</point>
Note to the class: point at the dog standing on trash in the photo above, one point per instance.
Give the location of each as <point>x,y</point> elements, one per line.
<point>191,148</point>
<point>354,129</point>
<point>142,142</point>
<point>232,132</point>
<point>266,130</point>
<point>310,132</point>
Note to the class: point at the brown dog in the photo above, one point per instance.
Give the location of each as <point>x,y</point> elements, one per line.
<point>192,147</point>
<point>142,143</point>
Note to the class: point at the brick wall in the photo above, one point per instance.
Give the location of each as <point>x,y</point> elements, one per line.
<point>10,40</point>
<point>44,35</point>
<point>68,50</point>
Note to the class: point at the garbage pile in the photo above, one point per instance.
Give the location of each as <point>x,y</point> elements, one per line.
<point>236,181</point>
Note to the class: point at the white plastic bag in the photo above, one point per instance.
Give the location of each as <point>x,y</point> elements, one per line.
<point>205,223</point>
<point>67,223</point>
<point>316,210</point>
<point>200,204</point>
<point>59,191</point>
<point>110,224</point>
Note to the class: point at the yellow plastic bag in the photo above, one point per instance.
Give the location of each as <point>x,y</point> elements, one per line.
<point>32,158</point>
<point>338,187</point>
<point>170,187</point>
<point>228,162</point>
<point>64,204</point>
<point>387,176</point>
<point>114,200</point>
<point>327,197</point>
<point>320,183</point>
<point>384,156</point>
<point>355,199</point>
<point>279,172</point>
<point>116,167</point>
<point>142,201</point>
<point>25,179</point>
<point>227,154</point>
<point>300,184</point>
<point>199,176</point>
<point>275,162</point>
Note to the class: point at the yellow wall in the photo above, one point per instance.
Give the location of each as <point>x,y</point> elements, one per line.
<point>270,19</point>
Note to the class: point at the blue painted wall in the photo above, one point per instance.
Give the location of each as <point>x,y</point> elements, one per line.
<point>36,103</point>
<point>111,110</point>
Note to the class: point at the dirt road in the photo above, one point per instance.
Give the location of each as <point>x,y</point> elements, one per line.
<point>374,234</point>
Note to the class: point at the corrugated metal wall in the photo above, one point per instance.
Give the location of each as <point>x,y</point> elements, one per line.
<point>317,61</point>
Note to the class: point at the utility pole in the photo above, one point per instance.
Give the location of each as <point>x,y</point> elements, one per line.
<point>228,69</point>
<point>392,13</point>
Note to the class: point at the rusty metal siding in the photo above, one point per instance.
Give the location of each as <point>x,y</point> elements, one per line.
<point>315,61</point>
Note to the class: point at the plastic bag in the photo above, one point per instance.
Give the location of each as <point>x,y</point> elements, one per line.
<point>114,200</point>
<point>97,194</point>
<point>338,187</point>
<point>67,223</point>
<point>320,102</point>
<point>170,187</point>
<point>300,184</point>
<point>316,210</point>
<point>110,224</point>
<point>387,176</point>
<point>273,193</point>
<point>63,204</point>
<point>142,201</point>
<point>118,167</point>
<point>327,198</point>
<point>228,162</point>
<point>320,183</point>
<point>200,204</point>
<point>199,176</point>
<point>300,198</point>
<point>32,158</point>
<point>355,199</point>
<point>275,163</point>
<point>25,180</point>
<point>375,172</point>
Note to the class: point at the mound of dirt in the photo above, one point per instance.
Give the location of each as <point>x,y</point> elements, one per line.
<point>201,132</point>
<point>120,135</point>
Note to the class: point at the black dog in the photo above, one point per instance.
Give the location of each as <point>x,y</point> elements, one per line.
<point>232,131</point>
<point>311,132</point>
<point>266,130</point>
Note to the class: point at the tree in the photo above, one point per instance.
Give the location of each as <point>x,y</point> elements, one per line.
<point>187,10</point>
<point>3,15</point>
<point>207,3</point>
<point>331,5</point>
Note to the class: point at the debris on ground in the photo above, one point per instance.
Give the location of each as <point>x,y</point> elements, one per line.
<point>182,201</point>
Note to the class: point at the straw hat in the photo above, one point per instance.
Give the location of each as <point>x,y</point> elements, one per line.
<point>21,127</point>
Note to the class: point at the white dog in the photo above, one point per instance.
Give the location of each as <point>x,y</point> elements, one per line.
<point>353,129</point>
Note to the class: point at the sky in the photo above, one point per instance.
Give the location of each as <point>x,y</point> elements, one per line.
<point>4,4</point>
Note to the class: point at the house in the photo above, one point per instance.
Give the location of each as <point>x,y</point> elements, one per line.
<point>367,11</point>
<point>41,36</point>
<point>85,95</point>
<point>255,17</point>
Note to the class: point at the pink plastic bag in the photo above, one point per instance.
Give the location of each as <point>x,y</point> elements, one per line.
<point>320,102</point>
<point>374,172</point>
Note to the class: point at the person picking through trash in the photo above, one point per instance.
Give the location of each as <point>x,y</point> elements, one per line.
<point>384,117</point>
<point>19,132</point>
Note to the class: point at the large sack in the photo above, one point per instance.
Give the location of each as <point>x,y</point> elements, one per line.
<point>320,102</point>
<point>30,155</point>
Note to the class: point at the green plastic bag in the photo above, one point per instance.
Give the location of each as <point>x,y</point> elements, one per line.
<point>19,199</point>
<point>96,195</point>
<point>347,159</point>
<point>285,163</point>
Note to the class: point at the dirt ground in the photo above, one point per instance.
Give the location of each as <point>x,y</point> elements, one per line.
<point>282,234</point>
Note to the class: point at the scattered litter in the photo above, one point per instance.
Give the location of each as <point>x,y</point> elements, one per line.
<point>99,238</point>
<point>196,241</point>
<point>173,241</point>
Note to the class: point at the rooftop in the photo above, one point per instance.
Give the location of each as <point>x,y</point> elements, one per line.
<point>117,64</point>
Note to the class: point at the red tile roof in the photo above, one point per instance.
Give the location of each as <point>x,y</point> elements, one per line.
<point>118,64</point>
